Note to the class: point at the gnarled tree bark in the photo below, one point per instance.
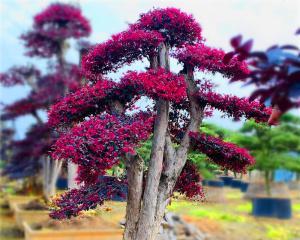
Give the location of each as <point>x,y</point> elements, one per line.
<point>147,216</point>
<point>174,161</point>
<point>143,218</point>
<point>134,169</point>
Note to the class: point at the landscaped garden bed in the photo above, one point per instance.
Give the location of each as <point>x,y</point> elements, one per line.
<point>16,199</point>
<point>83,228</point>
<point>32,212</point>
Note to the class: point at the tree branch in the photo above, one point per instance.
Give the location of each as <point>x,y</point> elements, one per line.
<point>37,117</point>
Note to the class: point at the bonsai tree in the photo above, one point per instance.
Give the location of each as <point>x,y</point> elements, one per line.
<point>273,148</point>
<point>107,126</point>
<point>51,30</point>
<point>275,72</point>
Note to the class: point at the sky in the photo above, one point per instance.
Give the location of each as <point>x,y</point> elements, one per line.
<point>266,21</point>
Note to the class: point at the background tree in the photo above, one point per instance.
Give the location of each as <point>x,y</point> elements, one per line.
<point>48,38</point>
<point>105,129</point>
<point>273,148</point>
<point>6,139</point>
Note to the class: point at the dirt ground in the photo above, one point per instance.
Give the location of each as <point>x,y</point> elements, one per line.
<point>230,220</point>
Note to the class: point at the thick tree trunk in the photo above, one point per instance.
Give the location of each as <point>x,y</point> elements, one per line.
<point>147,217</point>
<point>160,182</point>
<point>148,210</point>
<point>174,161</point>
<point>134,169</point>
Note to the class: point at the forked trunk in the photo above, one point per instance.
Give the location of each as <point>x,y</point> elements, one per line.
<point>144,216</point>
<point>147,217</point>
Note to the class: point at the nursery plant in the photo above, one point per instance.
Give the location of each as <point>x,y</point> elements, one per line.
<point>48,39</point>
<point>273,148</point>
<point>108,126</point>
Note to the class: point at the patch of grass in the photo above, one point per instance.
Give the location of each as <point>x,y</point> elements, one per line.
<point>204,211</point>
<point>179,205</point>
<point>10,190</point>
<point>234,195</point>
<point>216,215</point>
<point>245,207</point>
<point>278,233</point>
<point>296,207</point>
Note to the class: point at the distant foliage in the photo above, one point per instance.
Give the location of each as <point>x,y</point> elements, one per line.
<point>52,26</point>
<point>47,38</point>
<point>275,72</point>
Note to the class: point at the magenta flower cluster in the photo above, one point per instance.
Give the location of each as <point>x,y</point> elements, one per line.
<point>98,144</point>
<point>177,27</point>
<point>235,107</point>
<point>157,84</point>
<point>204,58</point>
<point>189,181</point>
<point>73,202</point>
<point>123,48</point>
<point>225,154</point>
<point>92,99</point>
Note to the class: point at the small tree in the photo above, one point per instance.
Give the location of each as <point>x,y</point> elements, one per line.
<point>105,129</point>
<point>47,39</point>
<point>273,148</point>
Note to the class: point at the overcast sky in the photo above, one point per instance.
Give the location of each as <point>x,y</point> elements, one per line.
<point>267,21</point>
